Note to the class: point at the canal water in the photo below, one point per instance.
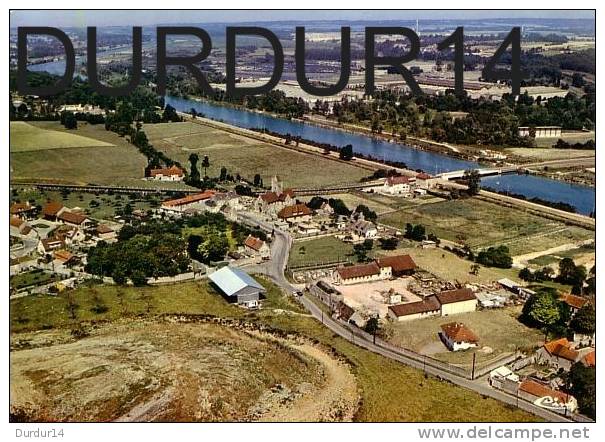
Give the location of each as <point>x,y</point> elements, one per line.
<point>581,197</point>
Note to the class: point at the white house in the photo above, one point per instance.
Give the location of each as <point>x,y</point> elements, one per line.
<point>456,336</point>
<point>256,246</point>
<point>398,185</point>
<point>172,173</point>
<point>363,229</point>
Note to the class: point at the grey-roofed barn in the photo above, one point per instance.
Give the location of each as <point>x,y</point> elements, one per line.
<point>238,286</point>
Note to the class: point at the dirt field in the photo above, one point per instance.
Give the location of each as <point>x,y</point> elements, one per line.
<point>498,331</point>
<point>160,371</point>
<point>248,157</point>
<point>371,296</point>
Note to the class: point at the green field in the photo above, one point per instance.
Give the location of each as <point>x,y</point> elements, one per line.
<point>481,224</point>
<point>26,137</point>
<point>111,161</point>
<point>248,157</point>
<point>410,395</point>
<point>497,329</point>
<point>317,251</point>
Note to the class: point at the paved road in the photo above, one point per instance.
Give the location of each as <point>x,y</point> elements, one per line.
<point>280,249</point>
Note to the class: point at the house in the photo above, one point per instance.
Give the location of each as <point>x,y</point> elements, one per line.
<point>106,233</point>
<point>238,286</point>
<point>180,205</point>
<point>272,202</point>
<point>363,229</point>
<point>401,265</point>
<point>73,218</point>
<point>398,185</point>
<point>457,301</point>
<point>69,234</point>
<point>574,302</point>
<point>545,397</point>
<point>425,181</point>
<point>540,131</point>
<point>590,359</point>
<point>23,210</point>
<point>295,213</point>
<point>344,311</point>
<point>172,173</point>
<point>456,336</point>
<point>429,306</point>
<point>48,245</point>
<point>64,257</point>
<point>256,246</point>
<point>19,226</point>
<point>559,354</point>
<point>51,210</point>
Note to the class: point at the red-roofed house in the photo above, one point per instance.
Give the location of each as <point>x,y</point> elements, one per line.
<point>23,210</point>
<point>172,173</point>
<point>272,202</point>
<point>256,246</point>
<point>51,210</point>
<point>574,302</point>
<point>194,201</point>
<point>425,181</point>
<point>559,354</point>
<point>398,185</point>
<point>457,336</point>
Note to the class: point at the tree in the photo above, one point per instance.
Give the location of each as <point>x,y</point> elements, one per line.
<point>194,175</point>
<point>475,269</point>
<point>346,153</point>
<point>584,321</point>
<point>581,383</point>
<point>257,180</point>
<point>389,243</point>
<point>473,181</point>
<point>542,310</point>
<point>223,175</point>
<point>571,274</point>
<point>206,165</point>
<point>372,326</point>
<point>415,232</point>
<point>495,257</point>
<point>68,119</point>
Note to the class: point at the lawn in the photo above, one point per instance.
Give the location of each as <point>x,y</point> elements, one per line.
<point>390,391</point>
<point>103,158</point>
<point>497,329</point>
<point>26,137</point>
<point>26,279</point>
<point>315,251</point>
<point>247,157</point>
<point>482,224</point>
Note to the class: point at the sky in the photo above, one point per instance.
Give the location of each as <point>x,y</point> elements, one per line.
<point>151,17</point>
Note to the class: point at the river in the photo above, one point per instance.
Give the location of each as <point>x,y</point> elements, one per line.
<point>581,197</point>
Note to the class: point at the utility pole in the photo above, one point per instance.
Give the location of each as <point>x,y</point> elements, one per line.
<point>473,372</point>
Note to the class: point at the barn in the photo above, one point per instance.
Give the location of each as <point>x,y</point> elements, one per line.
<point>238,286</point>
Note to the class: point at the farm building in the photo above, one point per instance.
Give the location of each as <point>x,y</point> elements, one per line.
<point>415,310</point>
<point>51,210</point>
<point>560,354</point>
<point>295,213</point>
<point>456,336</point>
<point>73,219</point>
<point>179,205</point>
<point>540,131</point>
<point>545,397</point>
<point>381,268</point>
<point>457,301</point>
<point>238,286</point>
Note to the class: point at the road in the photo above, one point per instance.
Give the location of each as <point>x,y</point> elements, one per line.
<point>274,269</point>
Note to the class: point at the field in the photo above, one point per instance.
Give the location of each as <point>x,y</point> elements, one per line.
<point>247,157</point>
<point>548,154</point>
<point>410,397</point>
<point>481,224</point>
<point>497,329</point>
<point>26,137</point>
<point>450,267</point>
<point>315,251</point>
<point>89,155</point>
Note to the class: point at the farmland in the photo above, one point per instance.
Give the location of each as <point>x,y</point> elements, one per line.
<point>247,157</point>
<point>314,251</point>
<point>87,155</point>
<point>481,224</point>
<point>411,396</point>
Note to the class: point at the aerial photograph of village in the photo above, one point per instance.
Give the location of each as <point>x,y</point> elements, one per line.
<point>182,254</point>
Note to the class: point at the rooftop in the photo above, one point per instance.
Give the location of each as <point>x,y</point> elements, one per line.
<point>231,280</point>
<point>458,295</point>
<point>429,304</point>
<point>458,332</point>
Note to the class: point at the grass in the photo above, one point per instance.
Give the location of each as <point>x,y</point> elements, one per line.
<point>482,224</point>
<point>26,279</point>
<point>498,329</point>
<point>409,396</point>
<point>315,251</point>
<point>113,161</point>
<point>26,137</point>
<point>247,157</point>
